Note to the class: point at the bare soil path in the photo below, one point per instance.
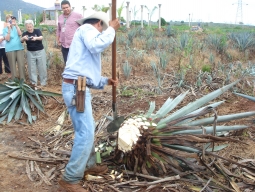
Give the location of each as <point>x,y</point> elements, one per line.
<point>14,138</point>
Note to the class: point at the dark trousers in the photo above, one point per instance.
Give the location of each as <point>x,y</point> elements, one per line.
<point>6,63</point>
<point>64,53</point>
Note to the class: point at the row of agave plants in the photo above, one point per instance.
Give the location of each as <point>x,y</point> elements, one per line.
<point>151,39</point>
<point>142,43</point>
<point>184,52</point>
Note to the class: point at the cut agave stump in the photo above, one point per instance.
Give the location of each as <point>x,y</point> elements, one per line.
<point>155,143</point>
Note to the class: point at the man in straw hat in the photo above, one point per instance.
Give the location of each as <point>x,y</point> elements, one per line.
<point>94,35</point>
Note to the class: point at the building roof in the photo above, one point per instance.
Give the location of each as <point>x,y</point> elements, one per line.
<point>52,9</point>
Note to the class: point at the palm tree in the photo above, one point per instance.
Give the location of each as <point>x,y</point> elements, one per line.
<point>7,12</point>
<point>151,12</point>
<point>120,9</point>
<point>96,7</point>
<point>100,8</point>
<point>83,10</point>
<point>104,9</point>
<point>135,12</point>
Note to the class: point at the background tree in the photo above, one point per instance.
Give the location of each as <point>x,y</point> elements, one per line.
<point>100,8</point>
<point>83,8</point>
<point>26,16</point>
<point>163,21</point>
<point>39,18</point>
<point>96,7</point>
<point>120,9</point>
<point>7,12</point>
<point>105,9</point>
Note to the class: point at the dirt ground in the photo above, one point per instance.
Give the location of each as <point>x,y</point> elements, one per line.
<point>14,137</point>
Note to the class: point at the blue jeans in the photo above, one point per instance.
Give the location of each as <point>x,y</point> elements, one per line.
<point>83,149</point>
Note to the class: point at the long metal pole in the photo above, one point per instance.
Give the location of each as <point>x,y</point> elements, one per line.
<point>114,63</point>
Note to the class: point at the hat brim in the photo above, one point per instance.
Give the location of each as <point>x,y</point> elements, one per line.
<point>97,15</point>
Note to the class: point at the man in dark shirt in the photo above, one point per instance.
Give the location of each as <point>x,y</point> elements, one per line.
<point>36,56</point>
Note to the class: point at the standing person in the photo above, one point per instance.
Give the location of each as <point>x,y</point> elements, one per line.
<point>14,48</point>
<point>36,56</point>
<point>66,27</point>
<point>85,60</point>
<point>2,51</point>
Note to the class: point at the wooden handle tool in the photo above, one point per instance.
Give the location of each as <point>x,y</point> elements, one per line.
<point>83,83</point>
<point>79,83</point>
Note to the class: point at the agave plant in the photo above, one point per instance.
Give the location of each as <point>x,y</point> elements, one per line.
<point>217,42</point>
<point>127,68</point>
<point>243,40</point>
<point>156,142</point>
<point>184,40</point>
<point>17,97</point>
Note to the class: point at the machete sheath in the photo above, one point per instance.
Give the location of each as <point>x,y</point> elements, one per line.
<point>80,94</point>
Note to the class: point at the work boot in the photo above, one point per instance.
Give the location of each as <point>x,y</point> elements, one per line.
<point>71,187</point>
<point>96,170</point>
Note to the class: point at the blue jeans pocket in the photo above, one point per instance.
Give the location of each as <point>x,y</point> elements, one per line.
<point>68,91</point>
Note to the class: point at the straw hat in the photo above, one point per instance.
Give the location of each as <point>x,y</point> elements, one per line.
<point>96,15</point>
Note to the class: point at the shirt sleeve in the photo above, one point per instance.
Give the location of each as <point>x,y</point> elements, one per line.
<point>23,34</point>
<point>103,81</point>
<point>97,42</point>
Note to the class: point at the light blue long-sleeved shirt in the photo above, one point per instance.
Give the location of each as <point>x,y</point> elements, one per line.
<point>14,44</point>
<point>84,57</point>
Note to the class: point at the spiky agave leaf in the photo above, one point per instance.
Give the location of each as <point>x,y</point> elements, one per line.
<point>246,96</point>
<point>25,107</point>
<point>196,104</point>
<point>151,109</point>
<point>169,105</point>
<point>12,109</point>
<point>224,118</point>
<point>213,105</point>
<point>15,96</point>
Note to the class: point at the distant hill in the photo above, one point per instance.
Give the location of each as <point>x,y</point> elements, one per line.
<point>15,5</point>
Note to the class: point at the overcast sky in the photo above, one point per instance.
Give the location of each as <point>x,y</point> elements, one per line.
<point>223,11</point>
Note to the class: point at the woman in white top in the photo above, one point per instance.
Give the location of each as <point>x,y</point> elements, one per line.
<point>2,52</point>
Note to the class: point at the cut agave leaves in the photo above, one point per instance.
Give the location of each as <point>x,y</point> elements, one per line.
<point>154,141</point>
<point>17,97</point>
<point>246,96</point>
